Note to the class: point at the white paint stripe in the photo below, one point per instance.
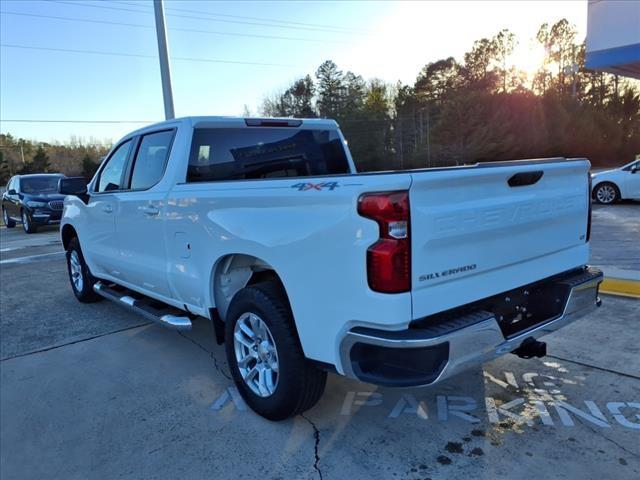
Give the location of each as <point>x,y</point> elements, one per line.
<point>8,249</point>
<point>30,258</point>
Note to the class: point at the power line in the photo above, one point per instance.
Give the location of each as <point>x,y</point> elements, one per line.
<point>139,55</point>
<point>192,30</point>
<point>241,22</point>
<point>262,19</point>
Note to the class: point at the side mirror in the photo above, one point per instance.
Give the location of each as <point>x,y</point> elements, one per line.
<point>73,186</point>
<point>12,192</point>
<point>635,168</point>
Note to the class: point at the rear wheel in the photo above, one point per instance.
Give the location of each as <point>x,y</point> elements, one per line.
<point>79,275</point>
<point>606,193</point>
<point>264,354</point>
<point>27,224</point>
<point>9,223</point>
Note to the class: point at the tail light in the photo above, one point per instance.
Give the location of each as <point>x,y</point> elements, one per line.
<point>389,259</point>
<point>589,214</point>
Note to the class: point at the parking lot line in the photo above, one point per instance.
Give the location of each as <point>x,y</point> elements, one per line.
<point>30,258</point>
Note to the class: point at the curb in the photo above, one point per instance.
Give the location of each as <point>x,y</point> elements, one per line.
<point>622,282</point>
<point>621,286</point>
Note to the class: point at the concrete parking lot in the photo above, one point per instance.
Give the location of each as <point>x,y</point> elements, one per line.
<point>92,391</point>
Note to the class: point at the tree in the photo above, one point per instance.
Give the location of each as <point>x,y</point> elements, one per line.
<point>5,173</point>
<point>504,43</point>
<point>477,64</point>
<point>39,163</point>
<point>89,167</point>
<point>296,101</point>
<point>330,89</point>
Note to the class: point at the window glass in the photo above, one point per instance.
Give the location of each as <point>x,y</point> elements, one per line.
<point>151,159</point>
<point>248,153</point>
<point>111,175</point>
<point>39,184</point>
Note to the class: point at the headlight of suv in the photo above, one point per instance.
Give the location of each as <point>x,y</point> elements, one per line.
<point>34,204</point>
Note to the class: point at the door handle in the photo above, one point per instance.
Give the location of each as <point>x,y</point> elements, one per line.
<point>150,210</point>
<point>107,209</point>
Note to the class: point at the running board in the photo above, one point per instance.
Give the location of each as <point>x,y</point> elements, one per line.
<point>159,312</point>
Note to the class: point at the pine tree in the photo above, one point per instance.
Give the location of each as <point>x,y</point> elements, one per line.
<point>40,162</point>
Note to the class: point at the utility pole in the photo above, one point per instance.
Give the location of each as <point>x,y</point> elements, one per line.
<point>163,53</point>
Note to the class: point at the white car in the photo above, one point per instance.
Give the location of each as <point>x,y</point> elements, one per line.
<point>264,227</point>
<point>622,183</point>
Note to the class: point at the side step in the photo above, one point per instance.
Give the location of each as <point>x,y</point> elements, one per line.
<point>159,312</point>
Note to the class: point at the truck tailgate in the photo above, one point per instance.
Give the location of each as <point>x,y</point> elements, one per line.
<point>474,235</point>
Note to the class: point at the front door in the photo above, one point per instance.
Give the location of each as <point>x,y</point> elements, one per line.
<point>99,242</point>
<point>632,181</point>
<point>140,219</point>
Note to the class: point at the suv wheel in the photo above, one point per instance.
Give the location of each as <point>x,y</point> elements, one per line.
<point>81,279</point>
<point>9,223</point>
<point>27,224</point>
<point>264,354</point>
<point>606,193</point>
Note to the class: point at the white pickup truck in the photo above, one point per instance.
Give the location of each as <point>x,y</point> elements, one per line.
<point>305,266</point>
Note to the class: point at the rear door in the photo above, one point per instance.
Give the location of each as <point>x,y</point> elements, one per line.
<point>99,242</point>
<point>479,231</point>
<point>142,255</point>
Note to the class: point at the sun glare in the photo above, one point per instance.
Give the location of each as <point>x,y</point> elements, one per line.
<point>528,58</point>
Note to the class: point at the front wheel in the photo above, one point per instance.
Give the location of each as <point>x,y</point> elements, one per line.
<point>27,224</point>
<point>264,354</point>
<point>606,193</point>
<point>81,279</point>
<point>9,223</point>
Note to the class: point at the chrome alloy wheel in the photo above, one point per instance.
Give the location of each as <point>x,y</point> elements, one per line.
<point>76,270</point>
<point>606,194</point>
<point>256,354</point>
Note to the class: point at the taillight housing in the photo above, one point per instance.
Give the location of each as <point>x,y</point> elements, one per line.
<point>389,259</point>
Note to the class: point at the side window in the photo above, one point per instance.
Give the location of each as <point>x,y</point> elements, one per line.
<point>151,159</point>
<point>250,153</point>
<point>111,175</point>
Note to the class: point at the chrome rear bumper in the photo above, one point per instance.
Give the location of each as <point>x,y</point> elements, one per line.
<point>456,345</point>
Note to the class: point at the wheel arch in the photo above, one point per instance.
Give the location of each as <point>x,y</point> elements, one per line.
<point>235,271</point>
<point>67,233</point>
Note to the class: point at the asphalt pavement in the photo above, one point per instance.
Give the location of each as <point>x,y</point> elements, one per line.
<point>93,391</point>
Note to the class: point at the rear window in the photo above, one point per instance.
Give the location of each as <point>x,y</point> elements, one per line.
<point>250,153</point>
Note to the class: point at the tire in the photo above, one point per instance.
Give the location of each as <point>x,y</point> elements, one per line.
<point>27,224</point>
<point>8,222</point>
<point>606,193</point>
<point>79,275</point>
<point>297,385</point>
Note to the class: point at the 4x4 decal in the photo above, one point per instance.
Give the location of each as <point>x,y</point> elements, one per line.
<point>303,187</point>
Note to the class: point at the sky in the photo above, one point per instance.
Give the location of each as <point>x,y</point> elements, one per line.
<point>276,42</point>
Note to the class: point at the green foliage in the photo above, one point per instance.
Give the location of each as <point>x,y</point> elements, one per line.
<point>89,167</point>
<point>4,169</point>
<point>67,159</point>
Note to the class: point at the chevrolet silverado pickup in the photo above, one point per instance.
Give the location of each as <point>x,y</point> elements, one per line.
<point>304,266</point>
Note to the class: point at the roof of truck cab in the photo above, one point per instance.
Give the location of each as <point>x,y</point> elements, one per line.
<point>221,121</point>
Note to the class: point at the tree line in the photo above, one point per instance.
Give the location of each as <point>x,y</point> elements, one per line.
<point>478,109</point>
<point>20,156</point>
